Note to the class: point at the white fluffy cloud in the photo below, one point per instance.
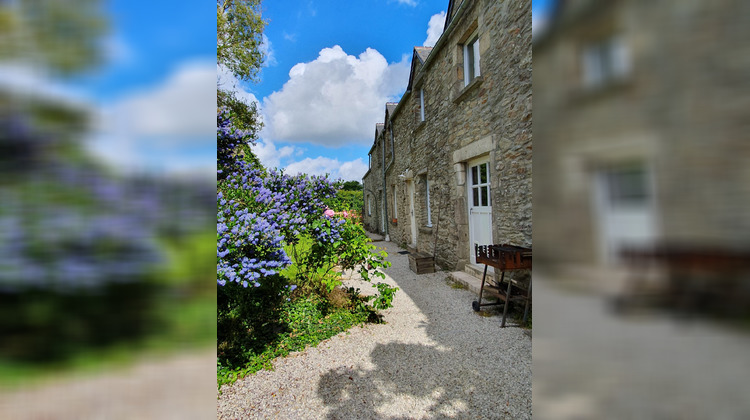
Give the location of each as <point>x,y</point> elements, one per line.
<point>269,155</point>
<point>267,49</point>
<point>434,29</point>
<point>170,126</point>
<point>335,99</point>
<point>408,2</point>
<point>348,171</point>
<point>182,107</point>
<point>228,82</point>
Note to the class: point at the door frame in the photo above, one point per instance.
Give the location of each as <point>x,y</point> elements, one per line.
<point>469,164</point>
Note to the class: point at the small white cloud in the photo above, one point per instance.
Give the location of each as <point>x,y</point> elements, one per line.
<point>228,82</point>
<point>335,99</point>
<point>411,3</point>
<point>33,81</point>
<point>290,37</point>
<point>269,155</point>
<point>117,51</point>
<point>267,49</point>
<point>353,170</point>
<point>434,29</point>
<point>348,171</point>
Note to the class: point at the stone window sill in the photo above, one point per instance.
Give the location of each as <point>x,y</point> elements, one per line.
<point>469,88</point>
<point>426,230</point>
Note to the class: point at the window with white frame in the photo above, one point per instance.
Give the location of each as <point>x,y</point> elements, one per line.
<point>604,61</point>
<point>427,201</point>
<point>471,60</point>
<point>421,104</point>
<point>369,206</point>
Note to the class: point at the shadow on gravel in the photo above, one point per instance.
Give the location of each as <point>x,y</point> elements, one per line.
<point>471,369</point>
<point>412,383</point>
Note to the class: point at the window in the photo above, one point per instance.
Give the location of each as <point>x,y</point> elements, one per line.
<point>369,206</point>
<point>395,207</point>
<point>427,195</point>
<point>421,104</point>
<point>369,160</point>
<point>480,185</point>
<point>604,61</point>
<point>626,186</point>
<point>471,60</point>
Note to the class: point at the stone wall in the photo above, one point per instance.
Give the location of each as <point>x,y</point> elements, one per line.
<point>677,109</point>
<point>489,117</point>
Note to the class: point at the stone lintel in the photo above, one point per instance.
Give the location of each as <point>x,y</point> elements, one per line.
<point>473,149</point>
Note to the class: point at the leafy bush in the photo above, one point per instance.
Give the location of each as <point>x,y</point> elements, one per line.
<point>279,244</point>
<point>347,201</point>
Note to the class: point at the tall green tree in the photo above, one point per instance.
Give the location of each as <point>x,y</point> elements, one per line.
<point>61,36</point>
<point>239,36</point>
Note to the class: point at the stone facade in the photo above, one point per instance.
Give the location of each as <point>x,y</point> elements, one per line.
<point>670,104</point>
<point>487,118</point>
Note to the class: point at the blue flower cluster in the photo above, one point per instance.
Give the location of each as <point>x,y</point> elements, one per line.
<point>259,212</point>
<point>67,227</point>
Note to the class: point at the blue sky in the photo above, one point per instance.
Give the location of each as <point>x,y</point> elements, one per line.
<point>331,68</point>
<point>152,101</point>
<point>155,97</point>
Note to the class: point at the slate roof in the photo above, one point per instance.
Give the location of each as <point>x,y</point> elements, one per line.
<point>390,107</point>
<point>422,53</point>
<point>419,56</point>
<point>379,128</point>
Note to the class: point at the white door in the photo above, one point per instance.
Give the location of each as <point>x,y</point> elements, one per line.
<point>412,217</point>
<point>480,206</point>
<point>626,209</point>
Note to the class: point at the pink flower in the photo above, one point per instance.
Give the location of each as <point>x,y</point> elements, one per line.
<point>346,213</point>
<point>329,213</point>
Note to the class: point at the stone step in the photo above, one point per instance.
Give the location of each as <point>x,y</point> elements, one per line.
<point>474,270</point>
<point>472,283</point>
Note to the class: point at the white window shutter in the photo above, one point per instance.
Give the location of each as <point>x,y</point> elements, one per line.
<point>620,57</point>
<point>476,57</point>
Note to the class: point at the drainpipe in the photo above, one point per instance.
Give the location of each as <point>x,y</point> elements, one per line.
<point>385,198</point>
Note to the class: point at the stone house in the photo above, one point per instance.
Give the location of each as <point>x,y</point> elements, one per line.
<point>641,136</point>
<point>453,157</point>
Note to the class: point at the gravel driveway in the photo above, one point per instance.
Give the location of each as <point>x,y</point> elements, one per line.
<point>178,386</point>
<point>433,358</point>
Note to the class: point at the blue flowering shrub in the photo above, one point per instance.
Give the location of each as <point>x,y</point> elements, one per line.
<point>80,248</point>
<point>279,249</point>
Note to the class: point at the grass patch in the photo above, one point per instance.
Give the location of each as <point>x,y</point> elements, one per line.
<point>454,284</point>
<point>305,321</point>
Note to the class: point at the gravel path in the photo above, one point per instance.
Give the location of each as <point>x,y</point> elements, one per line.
<point>434,358</point>
<point>169,387</point>
<point>592,364</point>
